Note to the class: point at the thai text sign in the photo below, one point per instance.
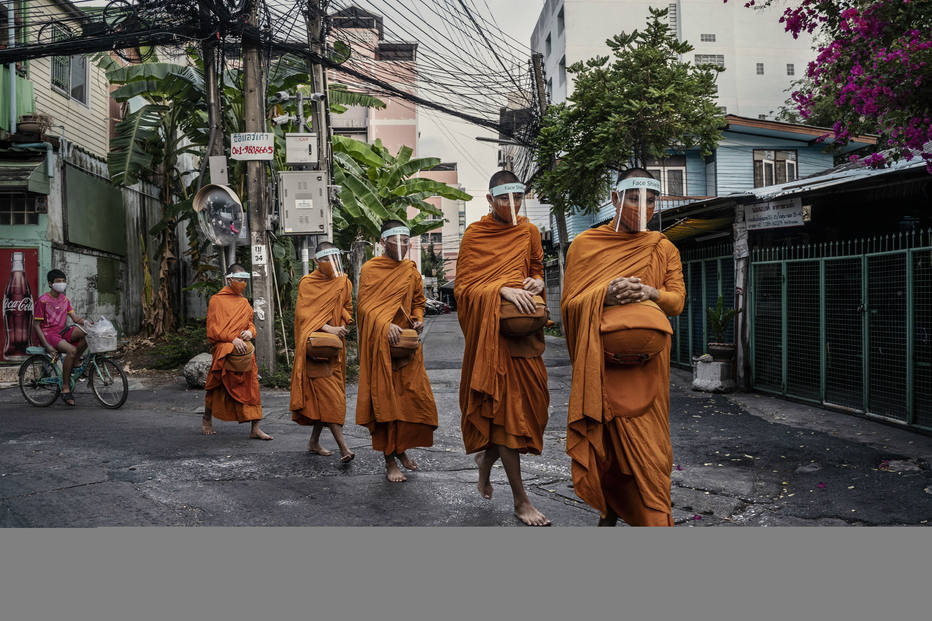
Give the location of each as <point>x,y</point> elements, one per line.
<point>774,214</point>
<point>252,146</point>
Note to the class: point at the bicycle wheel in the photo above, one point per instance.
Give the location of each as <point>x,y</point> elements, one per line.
<point>108,383</point>
<point>39,381</point>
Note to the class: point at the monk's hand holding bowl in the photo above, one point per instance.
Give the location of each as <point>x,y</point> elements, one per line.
<point>340,331</point>
<point>394,333</point>
<point>239,345</point>
<point>534,286</point>
<point>418,326</point>
<point>246,335</point>
<point>523,300</point>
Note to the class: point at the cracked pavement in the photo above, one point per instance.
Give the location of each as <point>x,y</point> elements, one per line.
<point>741,459</point>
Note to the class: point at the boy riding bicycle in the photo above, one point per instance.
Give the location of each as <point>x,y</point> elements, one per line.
<point>51,311</point>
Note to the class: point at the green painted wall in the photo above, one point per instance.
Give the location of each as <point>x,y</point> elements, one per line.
<point>95,215</point>
<point>108,282</point>
<point>25,102</point>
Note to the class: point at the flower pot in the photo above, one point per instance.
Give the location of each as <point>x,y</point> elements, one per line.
<point>722,352</point>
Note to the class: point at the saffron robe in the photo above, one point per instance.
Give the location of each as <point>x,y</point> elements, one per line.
<point>230,396</point>
<point>607,446</point>
<point>321,301</point>
<point>396,406</point>
<point>503,399</point>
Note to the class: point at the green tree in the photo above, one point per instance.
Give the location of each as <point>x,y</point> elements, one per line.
<point>644,104</point>
<point>378,186</point>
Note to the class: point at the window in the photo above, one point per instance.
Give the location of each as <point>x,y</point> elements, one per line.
<point>563,70</point>
<point>711,59</point>
<point>18,208</point>
<point>760,68</point>
<point>762,116</point>
<point>772,167</point>
<point>790,69</point>
<point>707,38</point>
<point>69,73</point>
<point>550,89</point>
<point>672,18</point>
<point>561,24</point>
<point>549,45</point>
<point>671,172</point>
<point>723,110</point>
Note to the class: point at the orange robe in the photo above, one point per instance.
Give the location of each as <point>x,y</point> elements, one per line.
<point>396,406</point>
<point>503,399</point>
<point>619,461</point>
<point>230,395</point>
<point>321,300</point>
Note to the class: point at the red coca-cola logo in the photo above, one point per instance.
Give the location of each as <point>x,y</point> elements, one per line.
<point>23,305</point>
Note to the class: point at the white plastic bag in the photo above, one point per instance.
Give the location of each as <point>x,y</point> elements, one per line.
<point>101,336</point>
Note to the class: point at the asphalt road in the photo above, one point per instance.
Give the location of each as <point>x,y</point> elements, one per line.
<point>743,459</point>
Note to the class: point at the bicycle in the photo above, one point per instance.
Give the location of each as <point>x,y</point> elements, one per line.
<point>40,378</point>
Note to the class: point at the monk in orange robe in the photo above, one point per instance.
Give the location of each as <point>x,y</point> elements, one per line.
<point>503,392</point>
<point>232,396</point>
<point>395,402</point>
<point>318,388</point>
<point>618,428</point>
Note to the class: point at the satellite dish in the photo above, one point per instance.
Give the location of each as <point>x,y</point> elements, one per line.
<point>219,214</point>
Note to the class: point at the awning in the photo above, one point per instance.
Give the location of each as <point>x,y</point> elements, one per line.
<point>31,175</point>
<point>691,227</point>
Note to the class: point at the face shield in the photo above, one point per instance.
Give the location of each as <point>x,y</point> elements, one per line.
<point>637,196</point>
<point>396,242</point>
<point>237,281</point>
<point>514,192</point>
<point>328,261</point>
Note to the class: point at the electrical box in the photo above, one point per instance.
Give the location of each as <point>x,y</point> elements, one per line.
<point>301,149</point>
<point>303,199</point>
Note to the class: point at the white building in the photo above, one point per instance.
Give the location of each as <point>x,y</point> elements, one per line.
<point>761,60</point>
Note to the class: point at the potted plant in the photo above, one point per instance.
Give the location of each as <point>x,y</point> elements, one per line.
<point>718,321</point>
<point>33,124</point>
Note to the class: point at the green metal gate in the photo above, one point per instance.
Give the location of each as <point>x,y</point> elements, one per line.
<point>846,324</point>
<point>708,272</point>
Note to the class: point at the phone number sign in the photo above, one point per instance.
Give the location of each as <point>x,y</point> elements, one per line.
<point>252,146</point>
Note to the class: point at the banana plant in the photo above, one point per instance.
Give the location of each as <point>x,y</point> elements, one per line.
<point>378,186</point>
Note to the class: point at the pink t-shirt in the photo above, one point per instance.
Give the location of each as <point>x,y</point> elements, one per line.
<point>52,312</point>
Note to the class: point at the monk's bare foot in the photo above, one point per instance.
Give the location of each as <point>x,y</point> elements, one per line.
<point>485,471</point>
<point>393,474</point>
<point>258,434</point>
<point>317,448</point>
<point>347,456</point>
<point>407,462</point>
<point>207,427</point>
<point>529,515</point>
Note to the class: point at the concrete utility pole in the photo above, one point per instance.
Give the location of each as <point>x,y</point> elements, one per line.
<point>316,12</point>
<point>537,61</point>
<point>258,199</point>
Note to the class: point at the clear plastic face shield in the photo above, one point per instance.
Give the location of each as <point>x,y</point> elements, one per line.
<point>513,193</point>
<point>329,263</point>
<point>396,242</point>
<point>237,281</point>
<point>634,199</point>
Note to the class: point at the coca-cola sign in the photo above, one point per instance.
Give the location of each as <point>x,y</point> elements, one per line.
<point>19,284</point>
<point>25,305</point>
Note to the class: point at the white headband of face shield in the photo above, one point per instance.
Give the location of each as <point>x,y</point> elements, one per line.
<point>510,189</point>
<point>397,232</point>
<point>243,275</point>
<point>642,185</point>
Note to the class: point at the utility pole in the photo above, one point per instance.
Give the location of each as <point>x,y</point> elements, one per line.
<point>559,214</point>
<point>316,12</point>
<point>214,123</point>
<point>258,197</point>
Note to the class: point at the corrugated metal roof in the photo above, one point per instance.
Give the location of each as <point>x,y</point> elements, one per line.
<point>31,175</point>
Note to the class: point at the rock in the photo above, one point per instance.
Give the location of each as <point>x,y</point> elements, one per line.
<point>813,467</point>
<point>195,372</point>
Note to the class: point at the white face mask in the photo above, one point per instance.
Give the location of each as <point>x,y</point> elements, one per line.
<point>59,286</point>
